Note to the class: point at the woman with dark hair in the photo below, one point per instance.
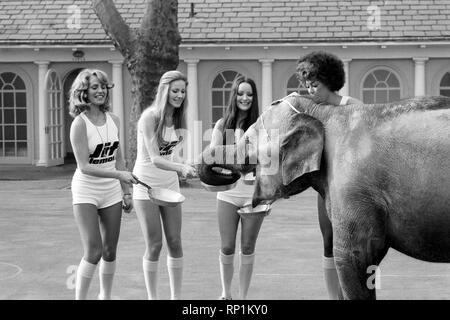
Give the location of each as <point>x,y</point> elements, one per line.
<point>100,182</point>
<point>159,136</point>
<point>323,75</point>
<point>241,113</point>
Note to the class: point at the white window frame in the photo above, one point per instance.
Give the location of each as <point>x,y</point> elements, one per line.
<point>289,90</point>
<point>222,90</point>
<point>28,159</point>
<point>379,68</point>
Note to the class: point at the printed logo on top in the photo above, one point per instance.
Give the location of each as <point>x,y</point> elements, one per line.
<point>167,147</point>
<point>104,152</point>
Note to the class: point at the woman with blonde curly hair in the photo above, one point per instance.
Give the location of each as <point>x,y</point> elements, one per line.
<point>100,182</point>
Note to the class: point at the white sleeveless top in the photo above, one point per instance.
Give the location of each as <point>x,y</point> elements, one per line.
<point>103,143</point>
<point>166,150</point>
<point>145,169</point>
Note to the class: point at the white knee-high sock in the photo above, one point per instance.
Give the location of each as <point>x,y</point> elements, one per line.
<point>106,272</point>
<point>175,269</point>
<point>226,273</point>
<point>245,273</point>
<point>85,272</point>
<point>151,278</point>
<point>331,279</point>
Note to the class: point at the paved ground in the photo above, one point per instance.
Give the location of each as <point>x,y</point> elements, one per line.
<point>40,247</point>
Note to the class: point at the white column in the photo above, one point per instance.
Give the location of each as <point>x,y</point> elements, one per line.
<point>266,94</point>
<point>117,99</point>
<point>43,133</point>
<point>419,76</point>
<point>345,91</point>
<point>193,146</point>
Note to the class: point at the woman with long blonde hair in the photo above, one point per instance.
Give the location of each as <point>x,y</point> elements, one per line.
<point>159,137</point>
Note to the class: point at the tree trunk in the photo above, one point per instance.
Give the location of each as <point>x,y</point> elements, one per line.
<point>148,51</point>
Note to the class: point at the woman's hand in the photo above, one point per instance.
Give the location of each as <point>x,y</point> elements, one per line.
<point>127,203</point>
<point>127,177</point>
<point>188,171</point>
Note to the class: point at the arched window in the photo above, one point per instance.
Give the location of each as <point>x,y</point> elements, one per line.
<point>381,86</point>
<point>444,86</point>
<point>293,85</point>
<point>221,89</point>
<point>13,116</point>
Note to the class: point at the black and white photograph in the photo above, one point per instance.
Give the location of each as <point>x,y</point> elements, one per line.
<point>227,153</point>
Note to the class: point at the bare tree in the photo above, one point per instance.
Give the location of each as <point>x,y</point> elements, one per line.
<point>148,51</point>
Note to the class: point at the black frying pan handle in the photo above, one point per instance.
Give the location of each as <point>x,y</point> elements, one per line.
<point>144,184</point>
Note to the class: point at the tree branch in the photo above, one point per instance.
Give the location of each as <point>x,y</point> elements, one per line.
<point>115,27</point>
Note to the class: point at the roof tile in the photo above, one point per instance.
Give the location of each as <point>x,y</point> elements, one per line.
<point>235,20</point>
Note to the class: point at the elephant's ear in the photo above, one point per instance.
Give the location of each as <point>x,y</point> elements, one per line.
<point>301,147</point>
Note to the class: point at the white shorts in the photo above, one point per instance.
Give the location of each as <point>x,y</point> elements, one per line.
<point>236,201</point>
<point>102,195</point>
<point>241,195</point>
<point>155,178</point>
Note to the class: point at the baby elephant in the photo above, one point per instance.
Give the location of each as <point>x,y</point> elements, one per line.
<point>383,170</point>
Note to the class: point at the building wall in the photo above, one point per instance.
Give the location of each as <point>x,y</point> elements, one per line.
<point>402,68</point>
<point>212,62</point>
<point>435,70</point>
<point>281,73</point>
<point>61,59</point>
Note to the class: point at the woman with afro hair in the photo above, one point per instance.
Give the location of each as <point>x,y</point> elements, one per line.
<point>323,75</point>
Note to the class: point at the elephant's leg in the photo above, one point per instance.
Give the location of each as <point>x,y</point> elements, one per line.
<point>359,246</point>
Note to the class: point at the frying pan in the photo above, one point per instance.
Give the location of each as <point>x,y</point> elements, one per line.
<point>216,178</point>
<point>214,188</point>
<point>162,196</point>
<point>261,210</point>
<point>218,188</point>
